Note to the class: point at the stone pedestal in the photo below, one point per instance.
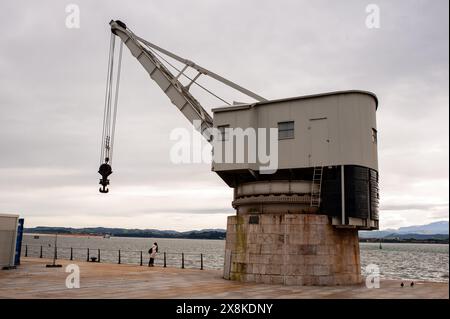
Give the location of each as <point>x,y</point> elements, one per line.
<point>291,249</point>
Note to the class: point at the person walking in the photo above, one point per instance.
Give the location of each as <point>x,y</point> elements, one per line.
<point>152,251</point>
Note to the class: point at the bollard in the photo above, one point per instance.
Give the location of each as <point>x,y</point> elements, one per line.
<point>141,258</point>
<point>98,256</point>
<point>182,260</point>
<point>119,256</point>
<point>26,250</point>
<point>165,260</point>
<point>71,253</point>
<point>201,261</point>
<point>87,259</point>
<point>40,254</point>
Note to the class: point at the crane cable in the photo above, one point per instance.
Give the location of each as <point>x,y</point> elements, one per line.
<point>116,98</point>
<point>111,102</point>
<point>109,115</point>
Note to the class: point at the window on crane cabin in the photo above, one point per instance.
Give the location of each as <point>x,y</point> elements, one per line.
<point>285,130</point>
<point>223,131</point>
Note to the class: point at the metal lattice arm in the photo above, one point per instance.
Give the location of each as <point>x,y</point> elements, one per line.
<point>178,94</point>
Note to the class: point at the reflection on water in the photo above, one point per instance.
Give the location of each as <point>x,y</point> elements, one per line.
<point>396,261</point>
<point>408,261</point>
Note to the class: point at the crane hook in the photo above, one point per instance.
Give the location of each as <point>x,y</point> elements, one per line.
<point>104,170</point>
<point>103,189</point>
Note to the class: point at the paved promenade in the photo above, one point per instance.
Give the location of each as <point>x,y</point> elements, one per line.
<point>33,280</point>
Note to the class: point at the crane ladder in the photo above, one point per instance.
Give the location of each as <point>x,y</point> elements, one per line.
<point>316,186</point>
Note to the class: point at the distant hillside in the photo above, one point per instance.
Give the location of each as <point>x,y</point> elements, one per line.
<point>433,231</point>
<point>417,236</point>
<point>409,238</point>
<point>122,232</point>
<point>437,231</point>
<point>433,228</point>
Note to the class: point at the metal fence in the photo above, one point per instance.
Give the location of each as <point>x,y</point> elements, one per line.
<point>130,257</point>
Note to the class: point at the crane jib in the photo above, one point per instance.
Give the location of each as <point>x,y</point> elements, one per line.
<point>150,57</point>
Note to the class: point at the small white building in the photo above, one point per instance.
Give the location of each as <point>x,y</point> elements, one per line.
<point>8,237</point>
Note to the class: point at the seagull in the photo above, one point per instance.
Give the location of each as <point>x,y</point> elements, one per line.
<point>401,285</point>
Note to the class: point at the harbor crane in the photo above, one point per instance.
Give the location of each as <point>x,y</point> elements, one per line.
<point>297,224</point>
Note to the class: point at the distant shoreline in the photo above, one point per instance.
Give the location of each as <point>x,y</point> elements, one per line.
<point>63,235</point>
<point>406,241</point>
<point>361,240</point>
<point>75,235</point>
<point>434,233</point>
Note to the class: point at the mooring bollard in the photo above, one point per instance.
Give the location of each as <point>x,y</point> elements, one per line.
<point>201,261</point>
<point>40,254</point>
<point>71,253</point>
<point>141,258</point>
<point>87,259</point>
<point>182,260</point>
<point>165,260</point>
<point>98,256</point>
<point>119,257</point>
<point>26,250</point>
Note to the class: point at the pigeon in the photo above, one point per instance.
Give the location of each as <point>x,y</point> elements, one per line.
<point>401,285</point>
<point>412,283</point>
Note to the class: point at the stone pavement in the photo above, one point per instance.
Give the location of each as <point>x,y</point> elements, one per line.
<point>33,280</point>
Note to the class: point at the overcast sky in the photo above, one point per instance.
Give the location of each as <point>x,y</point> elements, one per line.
<point>52,82</point>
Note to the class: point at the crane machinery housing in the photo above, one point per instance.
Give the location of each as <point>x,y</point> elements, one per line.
<point>299,224</point>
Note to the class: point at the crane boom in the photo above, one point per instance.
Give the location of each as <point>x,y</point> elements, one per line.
<point>178,94</point>
<point>147,54</point>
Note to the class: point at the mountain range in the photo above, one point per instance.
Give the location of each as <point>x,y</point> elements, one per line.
<point>437,230</point>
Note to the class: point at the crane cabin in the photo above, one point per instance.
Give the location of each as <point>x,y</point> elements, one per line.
<point>327,148</point>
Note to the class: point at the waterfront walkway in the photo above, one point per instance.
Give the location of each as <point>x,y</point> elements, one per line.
<point>97,280</point>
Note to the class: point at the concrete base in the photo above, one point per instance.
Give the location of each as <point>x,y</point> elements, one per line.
<point>291,249</point>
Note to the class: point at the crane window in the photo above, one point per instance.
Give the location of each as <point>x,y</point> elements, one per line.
<point>374,136</point>
<point>223,131</point>
<point>285,130</point>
